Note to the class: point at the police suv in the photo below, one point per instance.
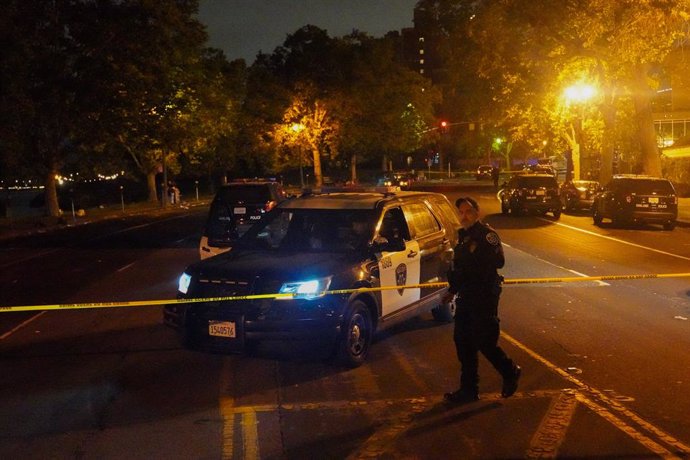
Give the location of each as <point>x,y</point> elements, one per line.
<point>316,243</point>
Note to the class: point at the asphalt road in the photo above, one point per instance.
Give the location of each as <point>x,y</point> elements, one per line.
<point>606,368</point>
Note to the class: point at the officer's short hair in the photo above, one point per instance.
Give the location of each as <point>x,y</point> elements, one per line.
<point>469,200</point>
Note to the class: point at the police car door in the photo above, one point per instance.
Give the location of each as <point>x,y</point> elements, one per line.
<point>432,241</point>
<point>398,268</point>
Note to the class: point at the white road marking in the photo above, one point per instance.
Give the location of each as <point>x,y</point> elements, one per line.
<point>617,240</point>
<point>19,326</point>
<point>583,275</point>
<point>125,267</point>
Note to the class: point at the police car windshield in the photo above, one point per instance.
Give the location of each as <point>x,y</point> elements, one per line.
<point>312,230</point>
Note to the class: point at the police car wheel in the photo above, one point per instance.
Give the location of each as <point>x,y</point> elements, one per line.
<point>355,341</point>
<point>444,313</point>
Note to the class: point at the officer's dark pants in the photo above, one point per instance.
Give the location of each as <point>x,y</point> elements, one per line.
<point>477,330</point>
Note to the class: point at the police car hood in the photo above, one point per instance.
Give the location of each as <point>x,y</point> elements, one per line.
<point>251,265</point>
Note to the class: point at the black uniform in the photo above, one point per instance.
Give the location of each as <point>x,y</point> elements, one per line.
<point>474,278</point>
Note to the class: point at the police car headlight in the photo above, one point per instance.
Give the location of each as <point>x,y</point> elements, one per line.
<point>183,283</point>
<point>310,289</point>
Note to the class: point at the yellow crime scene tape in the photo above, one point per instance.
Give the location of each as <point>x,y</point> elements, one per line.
<point>150,303</point>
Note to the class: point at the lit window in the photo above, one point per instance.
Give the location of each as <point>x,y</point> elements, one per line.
<point>421,51</point>
<point>421,61</point>
<point>421,39</point>
<point>421,70</point>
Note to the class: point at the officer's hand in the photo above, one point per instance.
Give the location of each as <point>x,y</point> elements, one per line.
<point>447,297</point>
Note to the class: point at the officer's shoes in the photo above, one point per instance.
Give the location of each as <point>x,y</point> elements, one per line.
<point>510,383</point>
<point>461,397</point>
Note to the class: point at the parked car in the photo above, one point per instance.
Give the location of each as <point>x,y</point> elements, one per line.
<point>235,207</point>
<point>311,244</point>
<point>578,194</point>
<point>484,172</point>
<point>631,199</point>
<point>541,169</point>
<point>531,193</point>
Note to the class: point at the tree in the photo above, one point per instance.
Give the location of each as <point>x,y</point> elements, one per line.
<point>155,92</point>
<point>43,104</point>
<point>319,128</point>
<point>520,50</point>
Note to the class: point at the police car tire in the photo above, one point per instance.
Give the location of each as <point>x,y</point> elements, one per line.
<point>557,213</point>
<point>356,335</point>
<point>444,313</point>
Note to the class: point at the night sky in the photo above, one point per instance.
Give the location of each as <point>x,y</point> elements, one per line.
<point>242,28</point>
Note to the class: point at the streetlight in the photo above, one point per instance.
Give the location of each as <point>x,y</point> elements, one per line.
<point>297,128</point>
<point>577,95</point>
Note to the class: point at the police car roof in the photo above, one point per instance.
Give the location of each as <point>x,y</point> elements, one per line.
<point>347,200</point>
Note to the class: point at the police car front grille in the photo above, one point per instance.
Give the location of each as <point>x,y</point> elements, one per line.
<point>222,288</point>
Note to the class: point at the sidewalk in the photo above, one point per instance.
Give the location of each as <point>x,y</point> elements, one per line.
<point>23,226</point>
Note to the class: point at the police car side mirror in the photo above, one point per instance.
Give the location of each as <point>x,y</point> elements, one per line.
<point>381,244</point>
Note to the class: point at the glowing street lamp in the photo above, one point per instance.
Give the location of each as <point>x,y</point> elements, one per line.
<point>578,95</point>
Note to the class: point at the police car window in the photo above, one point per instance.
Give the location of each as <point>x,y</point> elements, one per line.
<point>248,193</point>
<point>423,223</point>
<point>447,211</point>
<point>393,225</point>
<point>220,227</point>
<point>312,230</point>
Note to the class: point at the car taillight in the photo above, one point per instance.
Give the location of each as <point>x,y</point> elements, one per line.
<point>270,205</point>
<point>675,199</point>
<point>628,199</point>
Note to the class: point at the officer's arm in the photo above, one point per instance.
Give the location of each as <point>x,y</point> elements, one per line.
<point>493,250</point>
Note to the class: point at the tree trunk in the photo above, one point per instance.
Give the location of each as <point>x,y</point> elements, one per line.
<point>50,193</point>
<point>151,184</point>
<point>607,143</point>
<point>353,168</point>
<point>642,94</point>
<point>318,177</point>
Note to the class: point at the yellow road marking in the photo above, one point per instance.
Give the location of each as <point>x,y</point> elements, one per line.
<point>610,403</point>
<point>625,428</point>
<point>552,429</point>
<point>227,411</point>
<point>250,437</point>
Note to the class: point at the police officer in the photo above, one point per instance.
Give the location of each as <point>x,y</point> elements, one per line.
<point>476,283</point>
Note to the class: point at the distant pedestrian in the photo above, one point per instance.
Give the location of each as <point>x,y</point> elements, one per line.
<point>476,283</point>
<point>495,174</point>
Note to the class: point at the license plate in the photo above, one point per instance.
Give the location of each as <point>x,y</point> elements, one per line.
<point>654,200</point>
<point>240,210</point>
<point>222,329</point>
<point>541,192</point>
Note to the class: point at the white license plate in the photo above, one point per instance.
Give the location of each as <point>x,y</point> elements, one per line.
<point>222,329</point>
<point>654,200</point>
<point>240,210</point>
<point>540,192</point>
